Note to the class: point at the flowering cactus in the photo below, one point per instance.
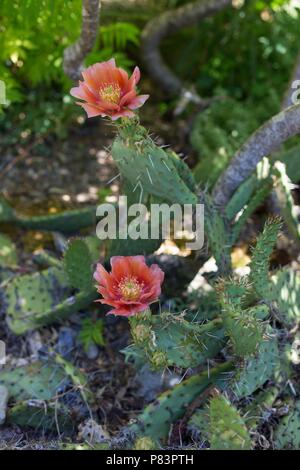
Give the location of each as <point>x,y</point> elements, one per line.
<point>131,286</point>
<point>107,91</point>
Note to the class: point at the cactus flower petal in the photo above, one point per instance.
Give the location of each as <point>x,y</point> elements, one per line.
<point>106,90</point>
<point>130,286</point>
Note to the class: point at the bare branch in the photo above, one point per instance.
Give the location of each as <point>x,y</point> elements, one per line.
<point>168,23</point>
<point>75,54</point>
<point>263,142</point>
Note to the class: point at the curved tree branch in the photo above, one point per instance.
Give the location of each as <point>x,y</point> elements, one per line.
<point>75,54</point>
<point>168,23</point>
<point>263,142</point>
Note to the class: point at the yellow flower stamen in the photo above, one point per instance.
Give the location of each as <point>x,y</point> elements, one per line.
<point>110,93</point>
<point>130,288</point>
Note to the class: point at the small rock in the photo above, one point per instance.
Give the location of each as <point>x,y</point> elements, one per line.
<point>35,343</point>
<point>66,341</point>
<point>3,403</point>
<point>92,432</point>
<point>150,382</point>
<point>93,351</point>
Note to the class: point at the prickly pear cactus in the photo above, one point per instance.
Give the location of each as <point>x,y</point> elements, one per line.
<point>287,434</point>
<point>285,293</point>
<point>44,394</point>
<point>243,326</point>
<point>78,264</point>
<point>37,381</point>
<point>67,222</point>
<point>259,275</point>
<point>170,340</point>
<point>227,429</point>
<point>254,371</point>
<point>259,409</point>
<point>41,298</point>
<point>245,333</point>
<point>217,233</point>
<point>146,165</point>
<point>156,419</point>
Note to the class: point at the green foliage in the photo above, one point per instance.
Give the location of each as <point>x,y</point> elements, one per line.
<point>92,332</point>
<point>251,57</point>
<point>216,135</point>
<point>227,428</point>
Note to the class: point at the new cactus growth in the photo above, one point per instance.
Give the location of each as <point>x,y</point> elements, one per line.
<point>227,429</point>
<point>260,258</point>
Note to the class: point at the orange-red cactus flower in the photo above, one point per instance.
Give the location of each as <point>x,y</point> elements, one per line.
<point>130,286</point>
<point>106,90</point>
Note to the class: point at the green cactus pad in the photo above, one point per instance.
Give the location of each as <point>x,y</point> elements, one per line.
<point>37,381</point>
<point>216,233</point>
<point>227,429</point>
<point>67,222</point>
<point>287,434</point>
<point>38,299</point>
<point>245,333</point>
<point>258,410</point>
<point>78,264</point>
<point>285,292</point>
<point>50,416</point>
<point>146,165</point>
<point>38,390</point>
<point>170,340</point>
<point>171,405</point>
<point>259,274</point>
<point>255,371</point>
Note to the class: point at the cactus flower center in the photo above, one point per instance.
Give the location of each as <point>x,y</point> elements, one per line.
<point>110,93</point>
<point>130,288</point>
